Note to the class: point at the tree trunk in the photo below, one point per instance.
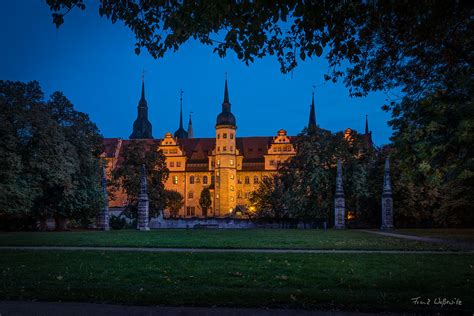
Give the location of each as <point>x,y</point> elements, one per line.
<point>61,223</point>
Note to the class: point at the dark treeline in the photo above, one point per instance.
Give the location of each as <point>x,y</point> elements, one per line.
<point>432,166</point>
<point>49,160</point>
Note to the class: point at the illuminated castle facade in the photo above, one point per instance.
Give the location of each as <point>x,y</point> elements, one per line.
<point>230,166</point>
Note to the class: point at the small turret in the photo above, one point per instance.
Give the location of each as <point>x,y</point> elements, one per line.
<point>142,128</point>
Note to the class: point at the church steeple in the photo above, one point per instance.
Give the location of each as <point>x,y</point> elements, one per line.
<point>190,128</point>
<point>226,117</point>
<point>181,132</point>
<point>312,116</point>
<point>142,128</point>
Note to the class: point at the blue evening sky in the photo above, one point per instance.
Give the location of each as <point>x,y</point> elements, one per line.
<point>92,61</point>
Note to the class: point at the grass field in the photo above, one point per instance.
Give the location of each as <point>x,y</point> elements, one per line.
<point>193,238</point>
<point>367,282</point>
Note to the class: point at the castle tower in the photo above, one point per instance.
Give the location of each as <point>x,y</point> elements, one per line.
<point>225,159</point>
<point>190,128</point>
<point>181,132</point>
<point>142,127</point>
<point>312,117</point>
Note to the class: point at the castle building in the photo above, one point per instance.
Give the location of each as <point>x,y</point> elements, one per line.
<point>230,166</point>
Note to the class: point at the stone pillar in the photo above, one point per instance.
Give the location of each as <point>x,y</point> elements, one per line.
<point>143,205</point>
<point>339,202</point>
<point>387,201</point>
<point>103,218</point>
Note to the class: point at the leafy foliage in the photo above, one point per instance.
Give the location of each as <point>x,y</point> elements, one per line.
<point>304,187</point>
<point>127,175</point>
<point>205,200</point>
<point>433,146</point>
<point>375,45</point>
<point>174,202</point>
<point>49,157</point>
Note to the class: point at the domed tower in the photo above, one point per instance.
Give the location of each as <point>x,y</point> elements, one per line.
<point>225,159</point>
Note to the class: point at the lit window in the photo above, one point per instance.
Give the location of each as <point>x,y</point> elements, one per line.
<point>204,180</point>
<point>191,180</point>
<point>232,188</point>
<point>175,180</point>
<point>232,199</point>
<point>232,162</point>
<point>224,135</point>
<point>232,177</point>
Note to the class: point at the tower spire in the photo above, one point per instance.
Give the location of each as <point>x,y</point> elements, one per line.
<point>181,132</point>
<point>226,96</point>
<point>366,124</point>
<point>190,127</point>
<point>312,116</point>
<point>181,109</point>
<point>142,127</point>
<point>226,117</point>
<point>368,134</point>
<point>143,86</point>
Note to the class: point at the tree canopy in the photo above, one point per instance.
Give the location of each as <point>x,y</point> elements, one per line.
<point>49,158</point>
<point>415,46</point>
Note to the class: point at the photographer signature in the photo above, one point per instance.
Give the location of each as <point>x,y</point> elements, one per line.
<point>442,301</point>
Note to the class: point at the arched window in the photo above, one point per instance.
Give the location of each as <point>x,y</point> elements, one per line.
<point>204,180</point>
<point>191,180</point>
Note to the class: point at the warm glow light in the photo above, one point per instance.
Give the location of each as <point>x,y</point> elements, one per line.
<point>230,210</point>
<point>252,209</point>
<point>350,215</point>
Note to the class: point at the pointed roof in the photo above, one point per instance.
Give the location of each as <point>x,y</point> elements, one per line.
<point>366,124</point>
<point>312,116</point>
<point>226,117</point>
<point>368,134</point>
<point>181,132</point>
<point>142,128</point>
<point>190,128</point>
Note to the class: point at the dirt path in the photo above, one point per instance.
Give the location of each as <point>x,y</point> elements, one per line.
<point>465,245</point>
<point>226,250</point>
<point>81,309</point>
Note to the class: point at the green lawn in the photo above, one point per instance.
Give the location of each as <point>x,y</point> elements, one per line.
<point>195,238</point>
<point>459,235</point>
<point>366,282</point>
